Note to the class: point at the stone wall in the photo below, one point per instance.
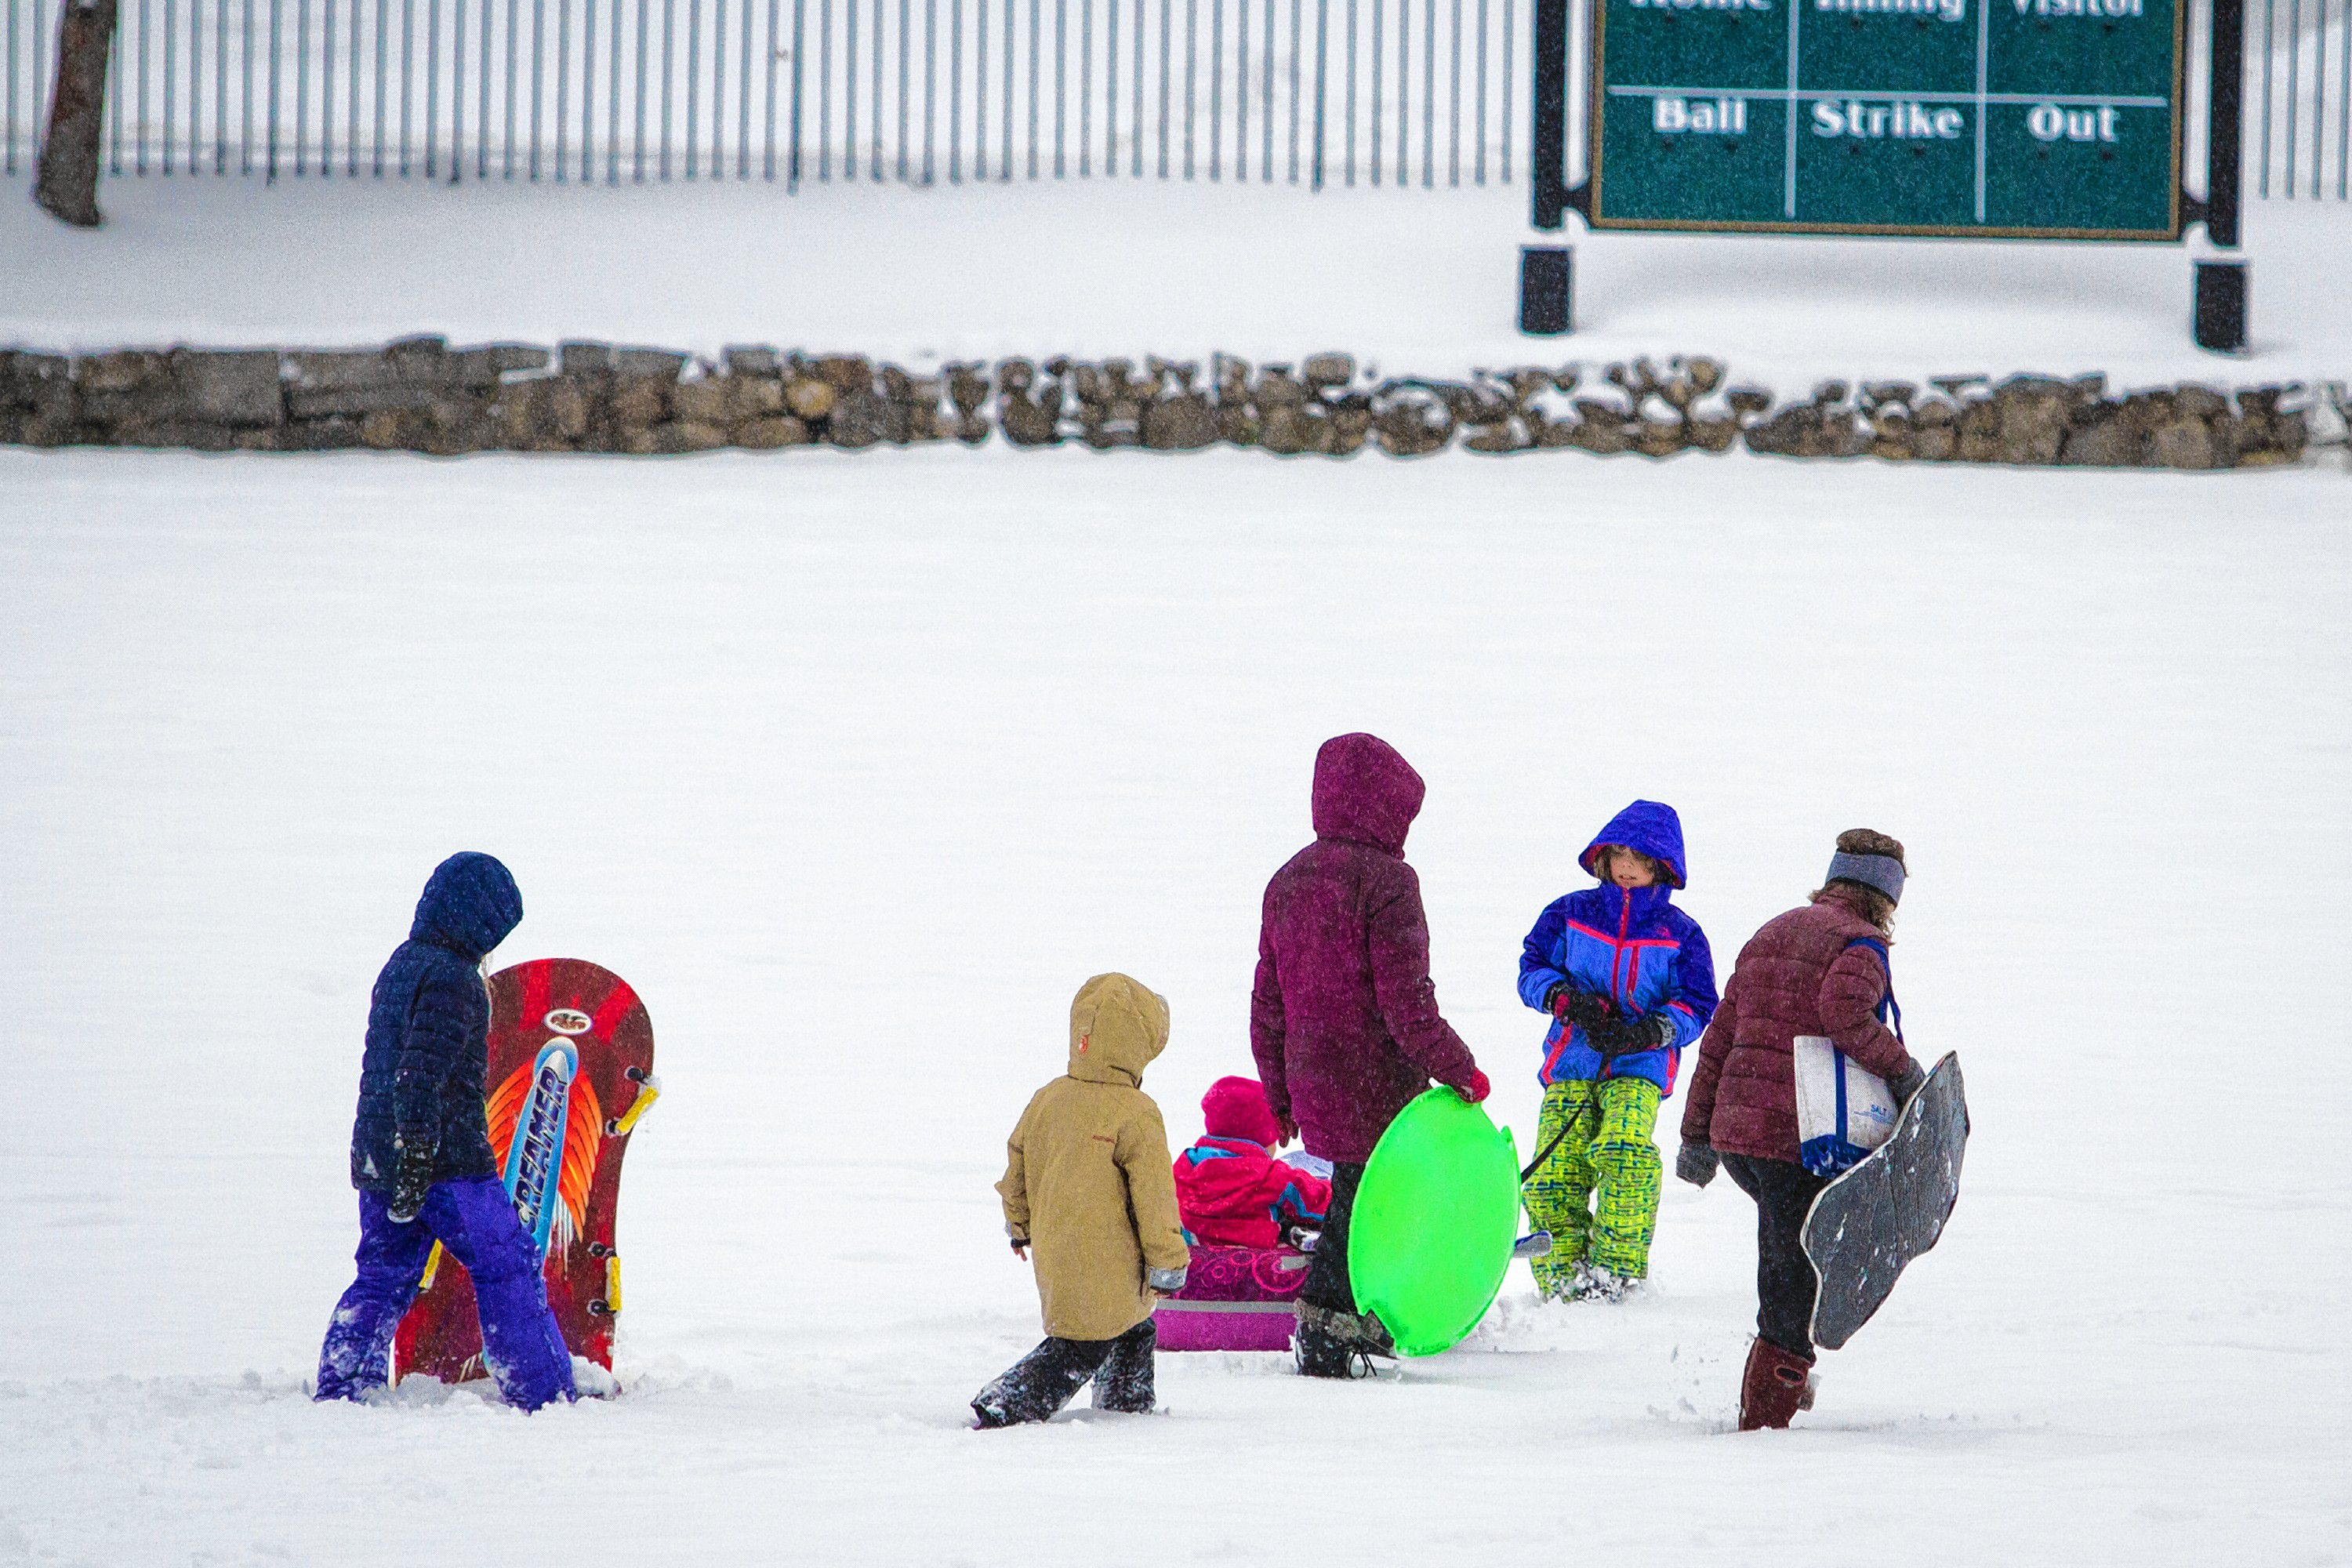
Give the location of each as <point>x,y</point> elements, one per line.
<point>420,394</point>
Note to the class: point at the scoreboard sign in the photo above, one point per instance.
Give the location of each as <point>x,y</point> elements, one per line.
<point>2046,118</point>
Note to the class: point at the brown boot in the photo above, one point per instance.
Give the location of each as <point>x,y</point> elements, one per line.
<point>1775,1387</point>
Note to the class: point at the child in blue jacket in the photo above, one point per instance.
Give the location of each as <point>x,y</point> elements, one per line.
<point>421,1152</point>
<point>1629,981</point>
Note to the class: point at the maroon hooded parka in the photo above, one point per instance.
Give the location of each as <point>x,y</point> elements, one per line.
<point>1804,974</point>
<point>1343,1018</point>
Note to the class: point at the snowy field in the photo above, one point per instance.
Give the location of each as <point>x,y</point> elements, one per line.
<point>857,767</point>
<point>1424,283</point>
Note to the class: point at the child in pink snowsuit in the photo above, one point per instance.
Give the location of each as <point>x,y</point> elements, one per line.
<point>1230,1189</point>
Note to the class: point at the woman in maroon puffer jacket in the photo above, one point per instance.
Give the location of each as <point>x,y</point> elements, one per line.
<point>1818,970</point>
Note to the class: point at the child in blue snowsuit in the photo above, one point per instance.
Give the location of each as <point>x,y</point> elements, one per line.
<point>421,1152</point>
<point>1628,980</point>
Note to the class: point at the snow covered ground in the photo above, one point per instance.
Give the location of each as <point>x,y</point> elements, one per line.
<point>1420,282</point>
<point>856,767</point>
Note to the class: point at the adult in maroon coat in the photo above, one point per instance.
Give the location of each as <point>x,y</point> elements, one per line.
<point>1343,1018</point>
<point>1819,970</point>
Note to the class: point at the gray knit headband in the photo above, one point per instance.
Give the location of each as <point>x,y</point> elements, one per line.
<point>1883,872</point>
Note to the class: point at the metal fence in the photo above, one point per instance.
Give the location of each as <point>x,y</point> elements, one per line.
<point>1371,92</point>
<point>1405,94</point>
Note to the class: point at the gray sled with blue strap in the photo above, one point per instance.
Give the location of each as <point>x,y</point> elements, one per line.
<point>1865,1227</point>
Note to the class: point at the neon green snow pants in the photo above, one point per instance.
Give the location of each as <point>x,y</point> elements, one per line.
<point>1596,1191</point>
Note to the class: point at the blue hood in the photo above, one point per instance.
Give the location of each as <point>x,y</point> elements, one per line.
<point>1650,826</point>
<point>470,903</point>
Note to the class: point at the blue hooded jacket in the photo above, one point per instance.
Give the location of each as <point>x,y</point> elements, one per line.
<point>428,1030</point>
<point>1630,945</point>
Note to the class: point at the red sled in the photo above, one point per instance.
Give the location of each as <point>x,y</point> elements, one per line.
<point>570,1071</point>
<point>1235,1298</point>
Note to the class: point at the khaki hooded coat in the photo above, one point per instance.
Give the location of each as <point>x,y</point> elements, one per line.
<point>1086,1182</point>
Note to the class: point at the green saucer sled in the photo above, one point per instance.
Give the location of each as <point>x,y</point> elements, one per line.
<point>1434,1222</point>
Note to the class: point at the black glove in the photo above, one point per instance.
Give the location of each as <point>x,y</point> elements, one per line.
<point>1695,1163</point>
<point>1906,1083</point>
<point>1569,1005</point>
<point>1651,1032</point>
<point>1610,1037</point>
<point>412,1180</point>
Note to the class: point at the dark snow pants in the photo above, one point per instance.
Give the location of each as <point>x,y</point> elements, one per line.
<point>1328,1285</point>
<point>1048,1377</point>
<point>1331,1332</point>
<point>476,1221</point>
<point>1785,1285</point>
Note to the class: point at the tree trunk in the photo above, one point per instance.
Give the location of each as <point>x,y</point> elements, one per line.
<point>67,185</point>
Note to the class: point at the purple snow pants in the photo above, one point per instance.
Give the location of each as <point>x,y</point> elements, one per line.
<point>521,1344</point>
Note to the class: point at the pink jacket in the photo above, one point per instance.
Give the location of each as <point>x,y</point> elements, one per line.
<point>1233,1192</point>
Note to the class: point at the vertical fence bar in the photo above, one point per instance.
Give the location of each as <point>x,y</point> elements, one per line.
<point>587,89</point>
<point>1192,51</point>
<point>980,90</point>
<point>1265,100</point>
<point>1510,100</point>
<point>800,34</point>
<point>1036,69</point>
<point>359,74</point>
<point>1135,126</point>
<point>873,164</point>
<point>1086,88</point>
<point>2344,109</point>
<point>1166,47</point>
<point>930,84</point>
<point>563,148</point>
<point>301,88</point>
<point>1404,93</point>
<point>2318,98</point>
<point>1005,169</point>
<point>1241,89</point>
<point>1428,95</point>
<point>1349,175</point>
<point>1216,89</point>
<point>382,76</point>
<point>768,131</point>
<point>743,97</point>
<point>117,73</point>
<point>407,77</point>
<point>2269,48</point>
<point>849,91</point>
<point>668,78</point>
<point>1110,87</point>
<point>171,67</point>
<point>693,86</point>
<point>457,91</point>
<point>1061,96</point>
<point>1297,42</point>
<point>138,121</point>
<point>2293,74</point>
<point>717,164</point>
<point>1478,115</point>
<point>1453,99</point>
<point>195,81</point>
<point>1322,56</point>
<point>142,109</point>
<point>8,153</point>
<point>645,56</point>
<point>1379,65</point>
<point>433,88</point>
<point>276,54</point>
<point>823,91</point>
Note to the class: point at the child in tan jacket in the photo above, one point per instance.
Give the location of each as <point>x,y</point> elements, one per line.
<point>1087,1184</point>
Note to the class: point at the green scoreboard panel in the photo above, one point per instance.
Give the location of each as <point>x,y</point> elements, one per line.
<point>2058,118</point>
